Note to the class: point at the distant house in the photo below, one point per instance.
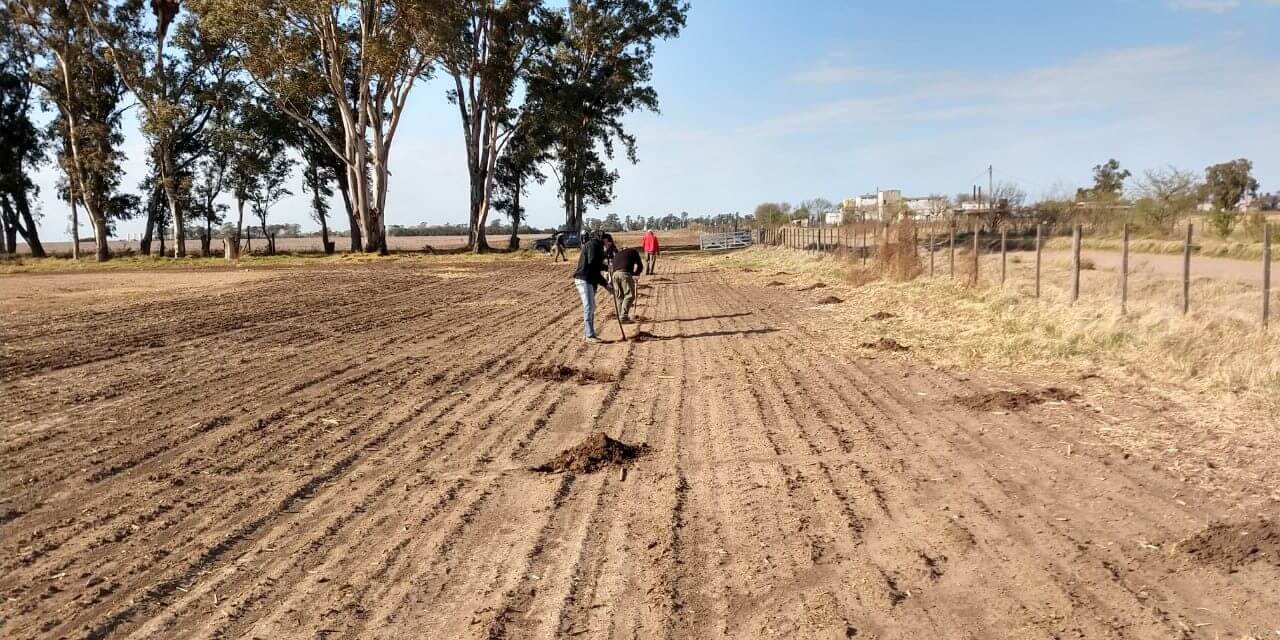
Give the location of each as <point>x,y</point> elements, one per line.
<point>884,203</point>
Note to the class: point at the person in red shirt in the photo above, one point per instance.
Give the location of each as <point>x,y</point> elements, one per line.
<point>650,246</point>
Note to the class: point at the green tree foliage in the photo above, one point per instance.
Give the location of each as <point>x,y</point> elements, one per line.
<point>599,70</point>
<point>1226,185</point>
<point>69,65</point>
<point>21,145</point>
<point>772,214</point>
<point>1108,182</point>
<point>172,68</point>
<point>1163,196</point>
<point>517,166</point>
<point>365,55</point>
<point>486,47</point>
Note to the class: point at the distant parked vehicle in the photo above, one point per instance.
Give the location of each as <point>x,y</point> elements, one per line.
<point>571,241</point>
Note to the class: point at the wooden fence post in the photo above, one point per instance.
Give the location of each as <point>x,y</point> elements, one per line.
<point>864,241</point>
<point>977,233</point>
<point>1039,233</point>
<point>1004,255</point>
<point>930,250</point>
<point>1075,262</point>
<point>1124,272</point>
<point>951,250</point>
<point>1186,271</point>
<point>1266,274</point>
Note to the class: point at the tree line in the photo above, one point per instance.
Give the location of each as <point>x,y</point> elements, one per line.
<point>233,95</point>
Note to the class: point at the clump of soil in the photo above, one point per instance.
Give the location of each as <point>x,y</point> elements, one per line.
<point>830,300</point>
<point>596,452</point>
<point>1013,400</point>
<point>1229,545</point>
<point>562,373</point>
<point>886,344</point>
<point>816,285</point>
<point>881,315</point>
<point>661,279</point>
<point>643,336</point>
<point>774,283</point>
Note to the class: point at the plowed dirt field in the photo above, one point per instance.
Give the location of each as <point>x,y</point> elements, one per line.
<point>347,453</point>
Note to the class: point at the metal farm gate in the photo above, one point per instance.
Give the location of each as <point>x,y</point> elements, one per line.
<point>725,240</point>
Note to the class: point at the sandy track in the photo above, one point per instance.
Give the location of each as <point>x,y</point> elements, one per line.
<point>294,457</point>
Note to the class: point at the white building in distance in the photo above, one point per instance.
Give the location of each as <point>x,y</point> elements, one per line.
<point>882,204</point>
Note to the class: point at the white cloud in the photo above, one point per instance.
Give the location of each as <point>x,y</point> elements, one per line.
<point>1212,6</point>
<point>1176,79</point>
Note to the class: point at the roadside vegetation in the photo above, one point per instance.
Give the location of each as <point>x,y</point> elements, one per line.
<point>1216,353</point>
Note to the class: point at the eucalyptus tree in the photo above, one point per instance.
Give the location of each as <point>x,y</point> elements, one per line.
<point>486,47</point>
<point>169,65</point>
<point>598,70</point>
<point>21,145</point>
<point>515,169</point>
<point>366,54</point>
<point>69,66</point>
<point>256,141</point>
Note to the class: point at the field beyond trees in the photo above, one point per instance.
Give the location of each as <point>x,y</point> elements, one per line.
<point>281,454</point>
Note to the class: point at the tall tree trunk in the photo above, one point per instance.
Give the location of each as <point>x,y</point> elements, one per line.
<point>145,243</point>
<point>345,188</point>
<point>75,228</point>
<point>100,239</point>
<point>8,227</point>
<point>175,211</point>
<point>207,238</point>
<point>26,225</point>
<point>516,215</point>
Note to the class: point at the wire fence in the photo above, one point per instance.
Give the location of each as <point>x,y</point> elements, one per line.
<point>859,240</point>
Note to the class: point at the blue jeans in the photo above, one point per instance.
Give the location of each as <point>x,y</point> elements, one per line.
<point>588,294</point>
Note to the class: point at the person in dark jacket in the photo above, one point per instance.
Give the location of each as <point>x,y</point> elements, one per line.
<point>589,275</point>
<point>624,267</point>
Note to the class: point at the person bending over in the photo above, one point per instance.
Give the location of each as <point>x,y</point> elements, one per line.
<point>624,267</point>
<point>589,275</point>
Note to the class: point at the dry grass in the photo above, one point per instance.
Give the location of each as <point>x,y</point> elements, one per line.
<point>1204,246</point>
<point>1217,349</point>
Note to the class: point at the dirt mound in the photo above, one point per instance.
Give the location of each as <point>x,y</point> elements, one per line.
<point>774,283</point>
<point>1003,400</point>
<point>882,315</point>
<point>886,344</point>
<point>816,285</point>
<point>596,452</point>
<point>562,373</point>
<point>1228,545</point>
<point>830,300</point>
<point>643,336</point>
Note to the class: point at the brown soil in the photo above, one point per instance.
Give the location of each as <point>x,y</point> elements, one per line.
<point>1232,545</point>
<point>562,373</point>
<point>774,283</point>
<point>830,300</point>
<point>816,285</point>
<point>1002,400</point>
<point>881,315</point>
<point>886,344</point>
<point>594,453</point>
<point>340,452</point>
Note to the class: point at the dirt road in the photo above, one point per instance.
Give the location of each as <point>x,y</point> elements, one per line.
<point>289,456</point>
<point>1243,271</point>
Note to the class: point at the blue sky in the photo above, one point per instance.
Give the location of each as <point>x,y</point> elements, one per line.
<point>792,100</point>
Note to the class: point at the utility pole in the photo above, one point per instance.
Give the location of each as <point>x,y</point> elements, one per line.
<point>991,188</point>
